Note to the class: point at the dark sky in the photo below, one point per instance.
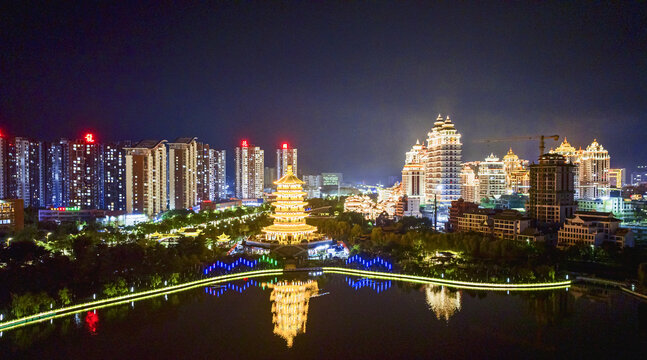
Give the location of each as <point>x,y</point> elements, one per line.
<point>352,85</point>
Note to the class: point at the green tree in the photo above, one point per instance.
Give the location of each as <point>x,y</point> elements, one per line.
<point>30,303</point>
<point>64,296</point>
<point>115,288</point>
<point>156,281</point>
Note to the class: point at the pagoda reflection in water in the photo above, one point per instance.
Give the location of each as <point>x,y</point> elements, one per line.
<point>290,302</point>
<point>442,301</point>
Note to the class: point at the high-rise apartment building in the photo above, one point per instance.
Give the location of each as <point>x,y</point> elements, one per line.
<point>204,176</point>
<point>55,173</point>
<point>413,172</point>
<point>24,166</point>
<point>182,173</point>
<point>114,175</point>
<point>269,177</point>
<point>552,189</point>
<point>285,156</point>
<point>218,171</point>
<point>3,167</point>
<point>18,170</point>
<point>594,171</point>
<point>146,177</point>
<point>470,182</point>
<point>443,163</point>
<point>492,177</point>
<point>249,171</point>
<point>83,181</point>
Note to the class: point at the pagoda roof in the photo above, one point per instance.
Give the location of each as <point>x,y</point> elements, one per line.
<point>289,178</point>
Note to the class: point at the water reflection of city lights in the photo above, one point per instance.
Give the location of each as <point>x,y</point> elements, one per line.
<point>442,301</point>
<point>91,322</point>
<point>290,301</point>
<point>230,286</point>
<point>378,286</point>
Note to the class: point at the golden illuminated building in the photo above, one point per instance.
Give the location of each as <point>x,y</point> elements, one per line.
<point>413,172</point>
<point>565,149</point>
<point>594,172</point>
<point>289,216</point>
<point>360,204</point>
<point>290,307</point>
<point>517,176</point>
<point>617,178</point>
<point>443,302</point>
<point>387,201</point>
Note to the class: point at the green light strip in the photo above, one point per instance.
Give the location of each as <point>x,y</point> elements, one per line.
<point>454,283</point>
<point>52,314</point>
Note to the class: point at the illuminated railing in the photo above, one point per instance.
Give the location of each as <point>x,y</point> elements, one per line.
<point>377,261</point>
<point>449,283</point>
<point>378,286</point>
<point>132,297</point>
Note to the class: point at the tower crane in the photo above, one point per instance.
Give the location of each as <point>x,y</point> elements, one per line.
<point>541,138</point>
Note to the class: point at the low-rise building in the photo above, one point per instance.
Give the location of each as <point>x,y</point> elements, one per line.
<point>593,228</point>
<point>503,224</point>
<point>12,217</point>
<point>508,224</point>
<point>458,208</point>
<point>478,220</point>
<point>70,214</point>
<point>408,206</point>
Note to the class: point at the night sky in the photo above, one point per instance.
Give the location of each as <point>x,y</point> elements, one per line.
<point>352,85</point>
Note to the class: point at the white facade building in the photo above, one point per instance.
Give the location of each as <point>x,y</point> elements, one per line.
<point>443,164</point>
<point>249,171</point>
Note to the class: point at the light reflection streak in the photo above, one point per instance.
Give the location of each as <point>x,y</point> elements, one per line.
<point>442,301</point>
<point>290,301</point>
<point>378,286</point>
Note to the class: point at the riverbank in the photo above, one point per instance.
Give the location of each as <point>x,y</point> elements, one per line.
<point>131,298</point>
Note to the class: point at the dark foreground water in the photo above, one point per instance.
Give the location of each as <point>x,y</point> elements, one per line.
<point>339,317</point>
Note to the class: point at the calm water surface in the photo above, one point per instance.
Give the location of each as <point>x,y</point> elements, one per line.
<point>339,317</point>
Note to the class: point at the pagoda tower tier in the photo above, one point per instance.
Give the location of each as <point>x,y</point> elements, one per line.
<point>289,216</point>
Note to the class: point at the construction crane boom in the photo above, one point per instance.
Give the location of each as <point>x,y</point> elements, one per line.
<point>541,138</point>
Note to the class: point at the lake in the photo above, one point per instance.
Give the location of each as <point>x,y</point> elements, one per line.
<point>306,316</point>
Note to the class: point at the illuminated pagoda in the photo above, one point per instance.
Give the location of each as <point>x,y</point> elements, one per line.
<point>290,303</point>
<point>289,216</point>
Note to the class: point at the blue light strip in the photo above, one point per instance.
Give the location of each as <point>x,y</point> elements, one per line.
<point>378,286</point>
<point>230,286</point>
<point>377,261</point>
<point>239,262</point>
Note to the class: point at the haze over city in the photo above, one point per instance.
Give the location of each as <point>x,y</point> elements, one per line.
<point>358,81</point>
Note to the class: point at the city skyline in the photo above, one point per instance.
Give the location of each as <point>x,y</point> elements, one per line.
<point>367,98</point>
